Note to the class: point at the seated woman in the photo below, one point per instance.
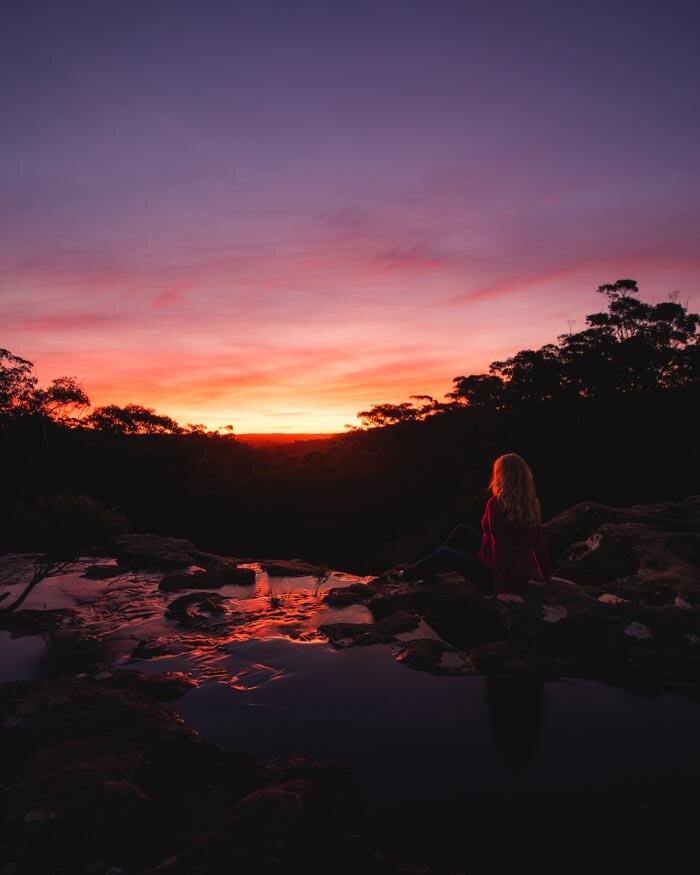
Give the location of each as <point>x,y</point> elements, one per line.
<point>511,546</point>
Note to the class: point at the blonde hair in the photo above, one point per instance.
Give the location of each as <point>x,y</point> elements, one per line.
<point>514,487</point>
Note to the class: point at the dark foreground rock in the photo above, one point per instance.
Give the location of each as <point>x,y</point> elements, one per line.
<point>102,572</point>
<point>197,607</point>
<point>224,575</point>
<point>96,777</point>
<point>292,568</point>
<point>628,611</point>
<point>157,553</point>
<point>382,632</point>
<point>28,622</point>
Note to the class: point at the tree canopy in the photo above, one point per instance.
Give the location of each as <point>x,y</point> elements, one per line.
<point>632,346</point>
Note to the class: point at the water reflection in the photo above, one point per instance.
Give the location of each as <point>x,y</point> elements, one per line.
<point>461,771</point>
<point>516,710</point>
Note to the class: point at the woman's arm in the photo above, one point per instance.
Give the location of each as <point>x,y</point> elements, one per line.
<point>541,555</point>
<point>500,540</point>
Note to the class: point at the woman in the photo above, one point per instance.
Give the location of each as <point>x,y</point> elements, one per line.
<point>511,547</point>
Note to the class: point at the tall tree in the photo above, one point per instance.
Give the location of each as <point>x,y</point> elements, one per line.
<point>131,419</point>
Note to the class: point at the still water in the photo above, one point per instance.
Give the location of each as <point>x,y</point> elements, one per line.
<point>471,773</point>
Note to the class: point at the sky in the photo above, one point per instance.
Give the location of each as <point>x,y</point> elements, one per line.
<point>276,214</point>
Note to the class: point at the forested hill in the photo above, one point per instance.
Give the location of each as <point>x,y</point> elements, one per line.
<point>604,415</point>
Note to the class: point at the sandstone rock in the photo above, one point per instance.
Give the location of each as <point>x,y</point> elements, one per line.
<point>153,552</point>
<point>425,654</point>
<point>157,553</point>
<point>196,607</point>
<point>111,781</point>
<point>102,572</point>
<point>157,687</point>
<point>220,576</point>
<point>291,568</point>
<point>631,616</point>
<point>382,632</point>
<point>27,622</point>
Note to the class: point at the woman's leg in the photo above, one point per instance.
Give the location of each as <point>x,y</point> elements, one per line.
<point>466,564</point>
<point>464,538</point>
<point>424,567</point>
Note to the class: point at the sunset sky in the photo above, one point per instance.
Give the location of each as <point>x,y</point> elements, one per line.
<point>275,214</point>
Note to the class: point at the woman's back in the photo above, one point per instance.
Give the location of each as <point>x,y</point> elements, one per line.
<point>513,553</point>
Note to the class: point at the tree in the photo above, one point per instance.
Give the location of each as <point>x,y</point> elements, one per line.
<point>633,347</point>
<point>388,414</point>
<point>17,383</point>
<point>62,401</point>
<point>478,390</point>
<point>531,374</point>
<point>132,419</point>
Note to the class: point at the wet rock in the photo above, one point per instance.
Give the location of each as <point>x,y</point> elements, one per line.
<point>151,648</point>
<point>291,568</point>
<point>355,594</point>
<point>102,572</point>
<point>196,607</point>
<point>629,617</point>
<point>157,687</point>
<point>157,553</point>
<point>500,659</point>
<point>425,654</point>
<point>361,634</point>
<point>152,552</point>
<point>491,657</point>
<point>111,781</point>
<point>636,562</point>
<point>222,575</point>
<point>584,519</point>
<point>26,622</point>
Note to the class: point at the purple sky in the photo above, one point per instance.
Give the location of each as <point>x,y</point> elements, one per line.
<point>275,214</point>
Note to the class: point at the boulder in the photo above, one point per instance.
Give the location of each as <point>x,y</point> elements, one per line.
<point>222,575</point>
<point>427,654</point>
<point>102,572</point>
<point>384,631</point>
<point>156,687</point>
<point>196,608</point>
<point>291,568</point>
<point>29,622</point>
<point>158,553</point>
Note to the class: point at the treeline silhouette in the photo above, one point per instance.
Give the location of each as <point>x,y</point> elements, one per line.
<point>603,414</point>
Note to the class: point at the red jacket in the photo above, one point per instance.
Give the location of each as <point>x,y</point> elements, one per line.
<point>512,554</point>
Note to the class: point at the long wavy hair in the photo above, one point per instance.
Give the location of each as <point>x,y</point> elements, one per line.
<point>514,487</point>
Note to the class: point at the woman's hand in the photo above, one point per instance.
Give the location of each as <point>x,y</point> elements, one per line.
<point>509,597</point>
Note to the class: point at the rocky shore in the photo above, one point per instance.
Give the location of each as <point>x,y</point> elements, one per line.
<point>625,607</point>
<point>99,777</point>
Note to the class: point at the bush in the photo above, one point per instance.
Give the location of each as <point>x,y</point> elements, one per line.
<point>63,524</point>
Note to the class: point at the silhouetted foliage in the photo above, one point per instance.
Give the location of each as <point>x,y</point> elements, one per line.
<point>632,347</point>
<point>61,524</point>
<point>63,401</point>
<point>601,414</point>
<point>17,383</point>
<point>132,419</point>
<point>479,390</point>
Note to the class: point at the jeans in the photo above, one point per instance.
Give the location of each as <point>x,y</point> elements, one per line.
<point>458,553</point>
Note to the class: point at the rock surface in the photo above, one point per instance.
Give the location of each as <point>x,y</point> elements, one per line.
<point>628,610</point>
<point>222,575</point>
<point>96,777</point>
<point>291,568</point>
<point>102,572</point>
<point>158,553</point>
